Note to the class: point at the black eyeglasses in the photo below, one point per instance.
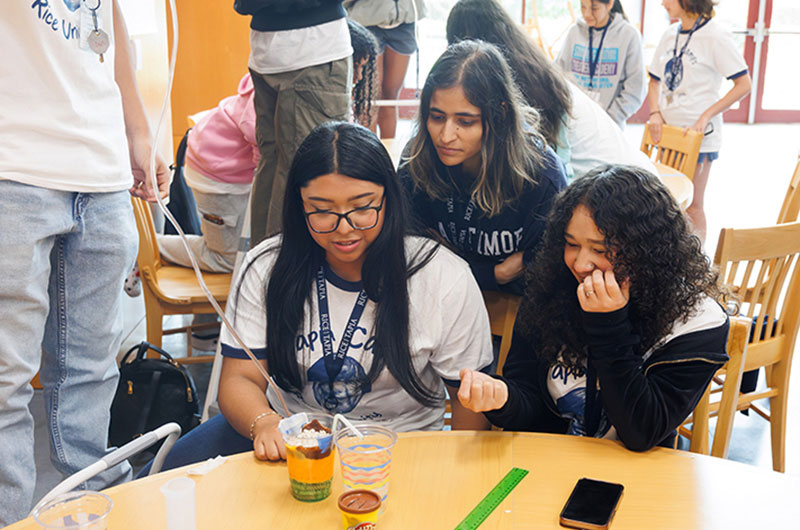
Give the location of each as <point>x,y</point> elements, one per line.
<point>325,222</point>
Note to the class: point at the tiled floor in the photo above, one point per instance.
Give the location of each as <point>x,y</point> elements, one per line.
<point>746,188</point>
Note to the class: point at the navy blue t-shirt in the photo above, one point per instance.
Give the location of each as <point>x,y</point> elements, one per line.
<point>486,241</point>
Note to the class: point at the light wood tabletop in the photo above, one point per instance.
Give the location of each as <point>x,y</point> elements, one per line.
<point>438,477</point>
<point>678,184</point>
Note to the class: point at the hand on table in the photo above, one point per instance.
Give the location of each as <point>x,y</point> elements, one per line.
<point>268,442</point>
<point>509,269</point>
<point>600,292</point>
<point>480,393</point>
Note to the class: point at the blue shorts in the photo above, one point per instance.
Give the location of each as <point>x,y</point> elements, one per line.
<point>707,157</point>
<point>400,39</point>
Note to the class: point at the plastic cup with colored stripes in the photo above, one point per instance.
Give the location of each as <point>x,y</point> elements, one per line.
<point>366,461</point>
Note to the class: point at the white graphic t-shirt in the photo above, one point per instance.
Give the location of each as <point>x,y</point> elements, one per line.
<point>567,387</point>
<point>448,329</point>
<point>61,125</point>
<point>710,56</point>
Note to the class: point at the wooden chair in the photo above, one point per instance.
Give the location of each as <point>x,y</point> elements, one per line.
<point>675,149</point>
<point>791,203</point>
<point>502,309</point>
<point>760,266</point>
<point>725,408</point>
<point>171,289</point>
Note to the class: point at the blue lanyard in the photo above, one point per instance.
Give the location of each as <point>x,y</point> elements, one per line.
<point>593,63</point>
<point>677,58</point>
<point>335,360</point>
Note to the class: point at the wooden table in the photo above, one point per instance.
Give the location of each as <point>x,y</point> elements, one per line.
<point>678,184</point>
<point>438,477</point>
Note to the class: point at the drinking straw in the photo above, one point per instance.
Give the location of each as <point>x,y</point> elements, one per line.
<point>338,417</point>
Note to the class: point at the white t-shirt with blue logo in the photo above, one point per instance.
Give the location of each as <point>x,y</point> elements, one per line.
<point>710,56</point>
<point>61,124</point>
<point>448,329</point>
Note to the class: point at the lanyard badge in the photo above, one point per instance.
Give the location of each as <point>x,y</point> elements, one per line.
<point>92,35</point>
<point>334,360</point>
<point>673,72</point>
<point>593,62</point>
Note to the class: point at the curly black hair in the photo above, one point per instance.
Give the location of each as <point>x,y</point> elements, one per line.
<point>365,53</point>
<point>648,241</point>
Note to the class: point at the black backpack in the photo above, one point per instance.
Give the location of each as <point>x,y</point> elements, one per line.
<point>151,392</point>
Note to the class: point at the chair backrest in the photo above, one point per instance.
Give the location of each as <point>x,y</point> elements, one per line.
<point>791,203</point>
<point>149,256</point>
<point>502,309</point>
<point>725,408</point>
<point>675,149</point>
<point>760,267</point>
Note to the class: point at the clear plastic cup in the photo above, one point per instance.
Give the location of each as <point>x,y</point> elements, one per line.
<point>310,462</point>
<point>76,510</point>
<point>366,462</point>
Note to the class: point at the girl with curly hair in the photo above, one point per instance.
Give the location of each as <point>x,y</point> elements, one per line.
<point>620,331</point>
<point>479,173</point>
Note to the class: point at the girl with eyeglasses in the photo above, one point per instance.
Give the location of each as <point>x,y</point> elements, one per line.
<point>479,173</point>
<point>348,312</point>
<point>620,331</point>
<point>689,64</point>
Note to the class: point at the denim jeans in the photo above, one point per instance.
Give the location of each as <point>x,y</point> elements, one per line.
<point>63,258</point>
<point>207,440</point>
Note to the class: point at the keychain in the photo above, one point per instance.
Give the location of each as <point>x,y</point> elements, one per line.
<point>98,39</point>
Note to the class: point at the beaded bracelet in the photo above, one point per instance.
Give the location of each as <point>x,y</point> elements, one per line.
<point>253,425</point>
<point>655,112</point>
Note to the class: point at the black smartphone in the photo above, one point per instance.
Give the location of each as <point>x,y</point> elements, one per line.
<point>591,505</point>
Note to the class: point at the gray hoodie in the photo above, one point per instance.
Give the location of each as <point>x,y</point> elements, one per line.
<point>619,79</point>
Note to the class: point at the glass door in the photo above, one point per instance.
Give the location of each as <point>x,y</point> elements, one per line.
<point>775,89</point>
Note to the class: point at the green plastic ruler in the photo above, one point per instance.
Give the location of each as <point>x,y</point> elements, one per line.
<point>493,499</point>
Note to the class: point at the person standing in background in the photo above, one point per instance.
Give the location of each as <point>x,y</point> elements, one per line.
<point>690,62</point>
<point>74,139</point>
<point>603,54</point>
<point>393,22</point>
<point>300,61</point>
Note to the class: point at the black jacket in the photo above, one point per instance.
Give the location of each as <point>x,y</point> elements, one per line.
<point>645,398</point>
<point>280,15</point>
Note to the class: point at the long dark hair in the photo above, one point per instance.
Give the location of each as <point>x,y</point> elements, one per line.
<point>511,146</point>
<point>616,8</point>
<point>648,241</point>
<point>364,47</point>
<point>541,83</point>
<point>354,151</point>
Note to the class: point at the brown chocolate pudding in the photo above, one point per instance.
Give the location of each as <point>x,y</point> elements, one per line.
<point>359,501</point>
<point>315,425</point>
